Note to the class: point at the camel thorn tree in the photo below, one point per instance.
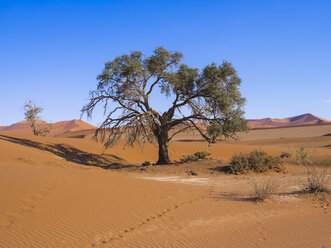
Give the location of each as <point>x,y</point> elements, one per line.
<point>196,100</point>
<point>32,115</point>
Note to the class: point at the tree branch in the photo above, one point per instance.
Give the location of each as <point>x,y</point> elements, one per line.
<point>152,86</point>
<point>200,131</point>
<point>180,131</point>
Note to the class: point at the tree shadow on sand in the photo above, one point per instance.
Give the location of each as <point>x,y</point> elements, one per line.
<point>226,169</point>
<point>190,140</point>
<point>72,154</point>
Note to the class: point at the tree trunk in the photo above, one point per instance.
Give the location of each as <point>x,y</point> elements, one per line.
<point>34,127</point>
<point>163,148</point>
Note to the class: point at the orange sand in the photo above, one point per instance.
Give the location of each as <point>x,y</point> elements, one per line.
<point>49,200</point>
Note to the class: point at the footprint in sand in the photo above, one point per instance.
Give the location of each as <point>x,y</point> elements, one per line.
<point>120,234</point>
<point>9,221</point>
<point>28,205</point>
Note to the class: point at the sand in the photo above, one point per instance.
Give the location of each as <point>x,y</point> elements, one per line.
<point>58,192</point>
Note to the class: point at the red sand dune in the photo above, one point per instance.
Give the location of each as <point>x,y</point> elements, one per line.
<point>23,127</point>
<point>70,126</point>
<point>305,119</point>
<point>62,127</point>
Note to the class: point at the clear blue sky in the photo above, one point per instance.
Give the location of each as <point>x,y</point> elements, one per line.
<point>52,51</point>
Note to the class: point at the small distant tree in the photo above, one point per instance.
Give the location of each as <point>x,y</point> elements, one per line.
<point>31,113</point>
<point>197,99</point>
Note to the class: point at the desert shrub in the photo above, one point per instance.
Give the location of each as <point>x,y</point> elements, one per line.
<point>196,156</point>
<point>257,161</point>
<point>285,155</point>
<point>239,163</point>
<point>264,190</point>
<point>303,156</point>
<point>276,164</point>
<point>260,161</point>
<point>316,180</point>
<point>146,163</point>
<point>202,154</point>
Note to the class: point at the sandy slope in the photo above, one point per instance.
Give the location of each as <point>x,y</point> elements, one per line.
<point>65,207</point>
<point>52,194</point>
<point>288,132</point>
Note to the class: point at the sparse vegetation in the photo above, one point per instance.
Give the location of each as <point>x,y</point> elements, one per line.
<point>263,190</point>
<point>256,161</point>
<point>303,156</point>
<point>316,180</point>
<point>194,157</point>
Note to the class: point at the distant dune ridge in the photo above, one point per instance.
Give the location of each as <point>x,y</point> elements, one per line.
<point>305,119</point>
<point>61,127</point>
<point>65,127</point>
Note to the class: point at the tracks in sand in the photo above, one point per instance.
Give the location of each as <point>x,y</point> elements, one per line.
<point>105,240</point>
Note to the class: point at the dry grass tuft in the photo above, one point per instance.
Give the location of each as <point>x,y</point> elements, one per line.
<point>304,156</point>
<point>316,180</point>
<point>263,190</point>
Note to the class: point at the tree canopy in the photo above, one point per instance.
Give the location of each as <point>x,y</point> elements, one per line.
<point>197,98</point>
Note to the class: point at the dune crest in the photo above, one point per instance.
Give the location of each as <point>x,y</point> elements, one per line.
<point>61,127</point>
<point>305,119</point>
